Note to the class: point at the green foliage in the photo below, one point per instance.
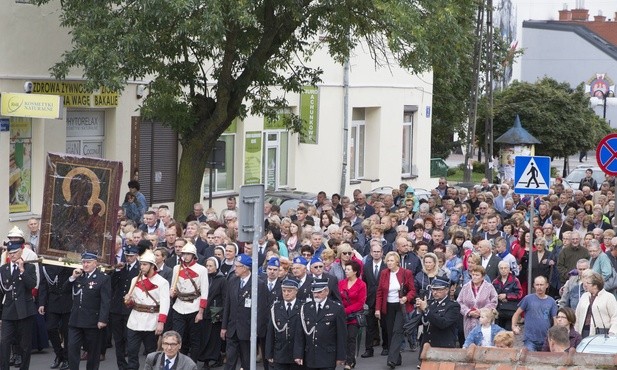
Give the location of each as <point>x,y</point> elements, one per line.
<point>210,61</point>
<point>553,112</point>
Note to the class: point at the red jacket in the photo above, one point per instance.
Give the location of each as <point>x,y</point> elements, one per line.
<point>353,298</point>
<point>404,277</point>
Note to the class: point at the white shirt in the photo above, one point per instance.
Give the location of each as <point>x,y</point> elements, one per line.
<point>486,336</point>
<point>393,288</point>
<point>172,361</point>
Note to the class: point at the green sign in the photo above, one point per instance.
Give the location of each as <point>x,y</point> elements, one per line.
<point>309,113</point>
<point>252,160</point>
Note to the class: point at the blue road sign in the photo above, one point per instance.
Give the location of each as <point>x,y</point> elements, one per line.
<point>532,175</point>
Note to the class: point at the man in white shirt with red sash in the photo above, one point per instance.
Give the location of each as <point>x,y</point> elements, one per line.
<point>149,299</point>
<point>190,287</point>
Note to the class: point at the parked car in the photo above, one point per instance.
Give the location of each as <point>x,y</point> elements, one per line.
<point>421,193</point>
<point>601,343</point>
<point>576,175</point>
<point>289,199</point>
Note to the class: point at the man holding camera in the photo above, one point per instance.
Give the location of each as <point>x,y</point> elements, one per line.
<point>91,291</point>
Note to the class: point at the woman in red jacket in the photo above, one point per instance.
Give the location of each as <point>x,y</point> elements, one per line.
<point>395,297</point>
<point>353,295</point>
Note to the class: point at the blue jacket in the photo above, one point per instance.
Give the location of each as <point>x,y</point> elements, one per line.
<point>475,335</point>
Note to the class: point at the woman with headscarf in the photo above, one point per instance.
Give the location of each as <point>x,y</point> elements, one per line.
<point>211,345</point>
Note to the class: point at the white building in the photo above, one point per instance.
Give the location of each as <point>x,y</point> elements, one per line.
<point>388,136</point>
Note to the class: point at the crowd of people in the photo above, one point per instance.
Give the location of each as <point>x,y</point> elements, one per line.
<point>451,270</point>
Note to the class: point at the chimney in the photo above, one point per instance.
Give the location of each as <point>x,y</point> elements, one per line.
<point>565,15</point>
<point>580,14</point>
<point>599,18</point>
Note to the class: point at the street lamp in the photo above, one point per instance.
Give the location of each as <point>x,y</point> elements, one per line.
<point>604,94</point>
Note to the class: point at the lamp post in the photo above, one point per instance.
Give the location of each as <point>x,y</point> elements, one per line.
<point>604,94</point>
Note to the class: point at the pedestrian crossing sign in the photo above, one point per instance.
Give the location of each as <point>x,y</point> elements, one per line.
<point>532,175</point>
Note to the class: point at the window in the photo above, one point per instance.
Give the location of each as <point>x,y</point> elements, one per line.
<point>275,158</point>
<point>356,146</point>
<point>223,178</point>
<point>20,164</point>
<point>407,153</point>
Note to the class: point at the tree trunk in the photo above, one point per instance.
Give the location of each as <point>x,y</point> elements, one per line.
<point>190,175</point>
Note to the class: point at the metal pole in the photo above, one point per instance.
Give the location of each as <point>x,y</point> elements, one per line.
<point>211,184</point>
<point>531,215</point>
<point>258,222</point>
<point>346,69</point>
<point>604,96</point>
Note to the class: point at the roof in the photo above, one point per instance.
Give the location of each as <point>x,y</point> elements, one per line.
<point>517,135</point>
<point>585,30</point>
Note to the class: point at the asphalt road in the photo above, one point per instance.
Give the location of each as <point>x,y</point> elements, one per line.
<point>42,360</point>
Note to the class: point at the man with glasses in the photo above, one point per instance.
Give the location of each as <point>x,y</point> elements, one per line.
<point>170,358</point>
<point>317,272</point>
<point>573,289</point>
<point>236,323</point>
<point>370,275</point>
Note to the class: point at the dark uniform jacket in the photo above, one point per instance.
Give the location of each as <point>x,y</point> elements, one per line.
<point>304,291</point>
<point>325,334</point>
<point>285,339</point>
<point>334,293</point>
<point>91,299</point>
<point>16,292</point>
<point>237,309</point>
<point>120,286</point>
<point>51,294</point>
<point>442,320</point>
<point>276,294</point>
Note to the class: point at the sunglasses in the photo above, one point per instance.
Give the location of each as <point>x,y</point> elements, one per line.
<point>346,253</point>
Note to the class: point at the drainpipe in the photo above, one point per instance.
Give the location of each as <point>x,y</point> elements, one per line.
<point>345,125</point>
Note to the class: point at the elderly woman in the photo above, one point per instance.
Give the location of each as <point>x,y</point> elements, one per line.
<point>353,296</point>
<point>509,294</point>
<point>542,261</point>
<point>596,312</point>
<point>566,317</point>
<point>395,295</point>
<point>474,295</point>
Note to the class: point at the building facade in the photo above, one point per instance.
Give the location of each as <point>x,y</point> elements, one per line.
<point>387,110</point>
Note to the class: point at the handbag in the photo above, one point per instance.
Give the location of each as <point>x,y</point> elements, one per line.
<point>359,316</point>
<point>413,320</point>
<point>599,330</point>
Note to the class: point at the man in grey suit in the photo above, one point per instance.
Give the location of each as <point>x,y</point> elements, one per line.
<point>170,358</point>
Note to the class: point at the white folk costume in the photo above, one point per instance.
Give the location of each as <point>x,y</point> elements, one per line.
<point>191,287</point>
<point>150,303</point>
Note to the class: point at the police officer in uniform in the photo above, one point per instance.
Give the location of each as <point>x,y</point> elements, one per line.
<point>285,340</point>
<point>119,313</point>
<point>17,279</point>
<point>91,291</point>
<point>440,315</point>
<point>57,305</point>
<point>324,328</point>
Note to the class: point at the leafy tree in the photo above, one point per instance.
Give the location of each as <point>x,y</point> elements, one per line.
<point>554,113</point>
<point>211,61</point>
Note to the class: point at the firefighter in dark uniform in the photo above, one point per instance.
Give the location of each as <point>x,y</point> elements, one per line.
<point>324,329</point>
<point>118,312</point>
<point>440,316</point>
<point>56,304</point>
<point>285,340</point>
<point>273,282</point>
<point>91,291</point>
<point>298,270</point>
<point>17,279</point>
